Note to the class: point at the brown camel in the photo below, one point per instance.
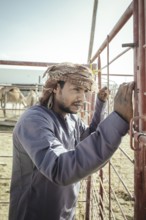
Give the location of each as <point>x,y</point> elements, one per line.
<point>12,95</point>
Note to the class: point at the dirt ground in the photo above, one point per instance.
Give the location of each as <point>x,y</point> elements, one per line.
<point>5,172</point>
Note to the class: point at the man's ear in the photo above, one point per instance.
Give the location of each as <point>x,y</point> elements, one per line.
<point>56,88</point>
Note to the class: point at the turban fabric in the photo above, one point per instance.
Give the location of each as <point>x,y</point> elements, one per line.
<point>74,73</point>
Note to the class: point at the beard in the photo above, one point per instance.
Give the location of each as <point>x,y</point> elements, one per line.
<point>66,109</point>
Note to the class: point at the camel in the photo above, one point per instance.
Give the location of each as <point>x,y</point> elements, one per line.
<point>12,95</point>
<point>2,99</point>
<point>32,98</point>
<point>2,93</point>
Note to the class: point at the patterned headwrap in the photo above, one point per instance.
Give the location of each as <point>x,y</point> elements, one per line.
<point>75,73</point>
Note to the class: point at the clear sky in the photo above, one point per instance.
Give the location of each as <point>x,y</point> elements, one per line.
<point>58,30</point>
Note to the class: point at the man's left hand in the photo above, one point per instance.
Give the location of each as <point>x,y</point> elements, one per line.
<point>103,94</point>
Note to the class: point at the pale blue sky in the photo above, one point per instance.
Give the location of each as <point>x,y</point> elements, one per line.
<point>58,30</point>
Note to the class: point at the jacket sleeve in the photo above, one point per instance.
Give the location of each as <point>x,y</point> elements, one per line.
<point>65,167</point>
<point>98,116</point>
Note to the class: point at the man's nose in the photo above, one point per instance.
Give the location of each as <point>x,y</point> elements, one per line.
<point>81,96</point>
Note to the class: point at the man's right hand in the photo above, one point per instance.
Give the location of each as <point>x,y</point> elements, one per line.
<point>123,101</point>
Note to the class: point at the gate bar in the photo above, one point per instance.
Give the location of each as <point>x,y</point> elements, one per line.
<point>124,18</point>
<point>140,103</point>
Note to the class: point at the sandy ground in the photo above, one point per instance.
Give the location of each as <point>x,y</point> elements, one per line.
<point>5,173</point>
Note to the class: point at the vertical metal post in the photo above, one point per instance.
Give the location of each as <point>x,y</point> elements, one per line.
<point>108,112</point>
<point>140,109</point>
<point>89,179</point>
<point>92,29</point>
<point>99,72</point>
<point>88,195</point>
<point>108,67</point>
<point>101,171</point>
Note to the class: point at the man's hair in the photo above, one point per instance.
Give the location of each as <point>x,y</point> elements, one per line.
<point>61,83</point>
<point>45,98</point>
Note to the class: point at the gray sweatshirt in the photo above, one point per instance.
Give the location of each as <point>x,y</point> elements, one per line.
<point>52,154</point>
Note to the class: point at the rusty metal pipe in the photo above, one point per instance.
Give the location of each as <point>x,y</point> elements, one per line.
<point>24,63</point>
<point>110,62</point>
<point>140,137</point>
<point>124,18</point>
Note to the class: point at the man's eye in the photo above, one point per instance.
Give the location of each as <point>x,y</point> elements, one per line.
<point>77,89</point>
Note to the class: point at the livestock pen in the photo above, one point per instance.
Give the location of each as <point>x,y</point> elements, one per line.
<point>118,191</point>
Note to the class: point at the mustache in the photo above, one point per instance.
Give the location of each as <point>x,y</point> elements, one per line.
<point>78,103</point>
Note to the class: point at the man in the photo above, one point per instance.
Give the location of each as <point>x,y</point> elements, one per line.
<point>54,150</point>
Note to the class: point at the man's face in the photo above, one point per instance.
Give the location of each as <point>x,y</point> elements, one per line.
<point>69,99</point>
